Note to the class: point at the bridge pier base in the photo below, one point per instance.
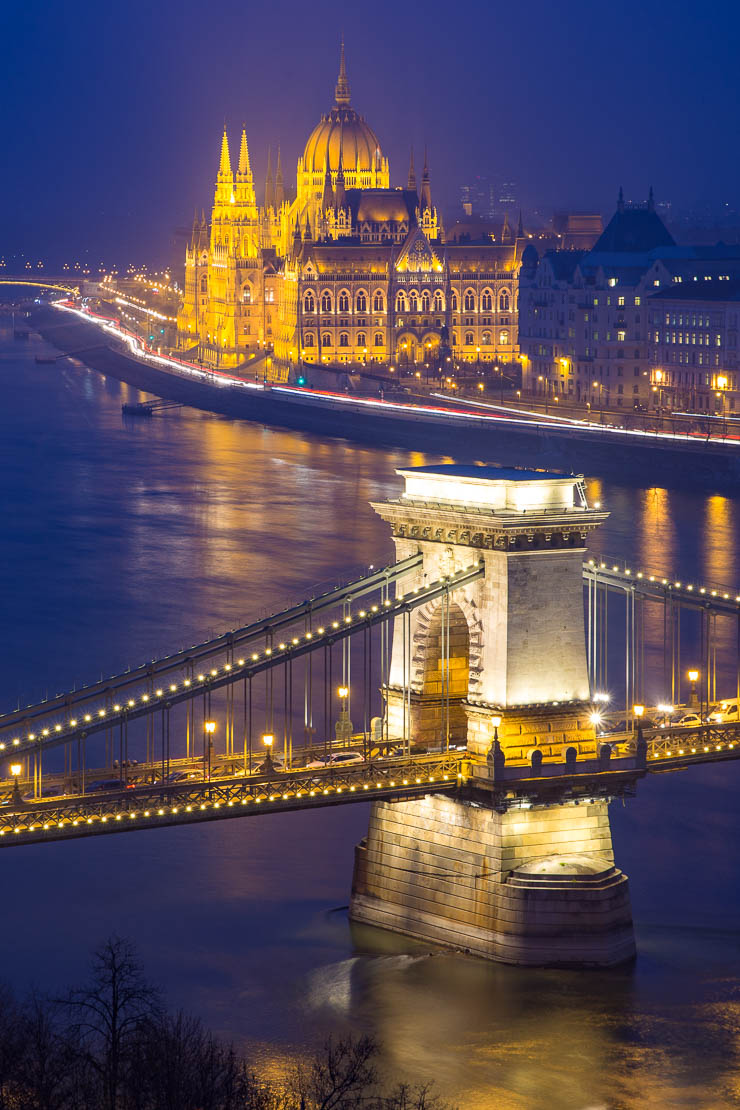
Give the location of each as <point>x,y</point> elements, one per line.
<point>534,887</point>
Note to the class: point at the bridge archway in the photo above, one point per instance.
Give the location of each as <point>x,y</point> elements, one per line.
<point>445,675</point>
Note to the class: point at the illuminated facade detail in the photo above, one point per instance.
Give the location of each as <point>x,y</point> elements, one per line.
<point>348,270</point>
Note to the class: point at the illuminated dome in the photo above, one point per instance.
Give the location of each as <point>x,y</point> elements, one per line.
<point>343,130</point>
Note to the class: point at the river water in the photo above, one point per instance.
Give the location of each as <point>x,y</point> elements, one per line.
<point>123,539</point>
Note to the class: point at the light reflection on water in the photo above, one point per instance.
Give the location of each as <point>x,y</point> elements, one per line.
<point>121,540</point>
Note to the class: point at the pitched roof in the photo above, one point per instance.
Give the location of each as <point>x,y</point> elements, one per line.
<point>635,228</point>
<point>700,291</point>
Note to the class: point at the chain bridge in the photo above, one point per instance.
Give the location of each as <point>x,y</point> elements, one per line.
<point>490,692</point>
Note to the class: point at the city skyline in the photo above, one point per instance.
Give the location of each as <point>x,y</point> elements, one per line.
<point>93,181</point>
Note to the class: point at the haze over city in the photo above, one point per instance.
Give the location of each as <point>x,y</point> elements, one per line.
<point>116,111</point>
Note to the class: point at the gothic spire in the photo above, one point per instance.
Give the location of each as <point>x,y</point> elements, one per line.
<point>341,93</point>
<point>279,190</point>
<point>412,172</point>
<point>269,189</point>
<point>505,230</point>
<point>520,227</point>
<point>339,195</point>
<point>224,169</point>
<point>426,188</point>
<point>245,170</point>
<point>620,200</point>
<point>328,198</point>
<point>307,236</point>
<point>651,200</point>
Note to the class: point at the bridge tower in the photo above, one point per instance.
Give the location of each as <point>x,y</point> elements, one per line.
<point>519,873</point>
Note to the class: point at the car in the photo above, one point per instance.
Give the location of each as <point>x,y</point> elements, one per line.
<point>335,759</point>
<point>44,793</point>
<point>726,712</point>
<point>687,720</point>
<point>107,784</point>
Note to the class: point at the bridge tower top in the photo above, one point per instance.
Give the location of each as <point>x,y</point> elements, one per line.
<point>520,627</point>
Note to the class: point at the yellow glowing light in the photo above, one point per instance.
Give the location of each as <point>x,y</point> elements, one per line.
<point>210,727</point>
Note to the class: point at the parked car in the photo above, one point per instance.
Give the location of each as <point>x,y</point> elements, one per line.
<point>335,759</point>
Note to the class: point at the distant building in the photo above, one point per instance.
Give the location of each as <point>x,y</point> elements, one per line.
<point>348,269</point>
<point>592,323</point>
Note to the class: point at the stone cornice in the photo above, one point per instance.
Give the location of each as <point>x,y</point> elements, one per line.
<point>484,528</point>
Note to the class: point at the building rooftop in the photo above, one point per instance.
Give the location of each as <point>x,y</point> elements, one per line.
<point>700,291</point>
<point>487,473</point>
<point>634,228</point>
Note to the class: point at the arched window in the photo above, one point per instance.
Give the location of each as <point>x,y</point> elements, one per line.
<point>246,293</point>
<point>378,302</point>
<point>378,341</point>
<point>425,301</point>
<point>439,304</point>
<point>326,301</point>
<point>326,340</point>
<point>361,339</point>
<point>343,301</point>
<point>486,338</point>
<point>503,337</point>
<point>204,284</point>
<point>308,340</point>
<point>309,302</point>
<point>402,304</point>
<point>343,339</point>
<point>361,301</point>
<point>486,301</point>
<point>454,339</point>
<point>453,299</point>
<point>413,301</point>
<point>504,301</point>
<point>469,300</point>
<point>468,339</point>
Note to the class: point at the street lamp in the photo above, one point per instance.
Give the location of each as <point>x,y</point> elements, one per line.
<point>209,727</point>
<point>693,677</point>
<point>15,770</point>
<point>268,740</point>
<point>638,711</point>
<point>495,721</point>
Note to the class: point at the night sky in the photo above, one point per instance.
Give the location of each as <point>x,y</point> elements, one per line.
<point>113,111</point>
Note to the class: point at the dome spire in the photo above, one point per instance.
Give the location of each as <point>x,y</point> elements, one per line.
<point>412,172</point>
<point>426,188</point>
<point>269,188</point>
<point>341,93</point>
<point>245,170</point>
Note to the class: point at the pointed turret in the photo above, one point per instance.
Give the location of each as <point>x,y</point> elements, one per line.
<point>339,194</point>
<point>224,169</point>
<point>412,172</point>
<point>341,93</point>
<point>279,190</point>
<point>194,235</point>
<point>307,236</point>
<point>244,173</point>
<point>327,200</point>
<point>426,188</point>
<point>620,200</point>
<point>269,188</point>
<point>506,230</point>
<point>651,200</point>
<point>520,227</point>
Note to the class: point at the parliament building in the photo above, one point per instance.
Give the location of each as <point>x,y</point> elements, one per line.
<point>345,268</point>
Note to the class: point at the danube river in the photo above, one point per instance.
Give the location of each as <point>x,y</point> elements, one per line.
<point>123,539</point>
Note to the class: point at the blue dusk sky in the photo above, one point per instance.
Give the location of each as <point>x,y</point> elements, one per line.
<point>113,112</point>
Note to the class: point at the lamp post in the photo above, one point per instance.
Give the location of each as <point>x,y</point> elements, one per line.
<point>343,728</point>
<point>209,727</point>
<point>495,721</point>
<point>15,770</point>
<point>268,740</point>
<point>638,712</point>
<point>693,677</point>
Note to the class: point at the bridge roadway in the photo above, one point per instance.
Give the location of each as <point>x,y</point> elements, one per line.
<point>157,805</point>
<point>226,794</point>
<point>55,732</point>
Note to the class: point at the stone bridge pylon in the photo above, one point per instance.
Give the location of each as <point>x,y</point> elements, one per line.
<point>519,875</point>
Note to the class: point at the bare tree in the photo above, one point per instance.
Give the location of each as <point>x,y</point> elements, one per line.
<point>342,1075</point>
<point>107,1014</point>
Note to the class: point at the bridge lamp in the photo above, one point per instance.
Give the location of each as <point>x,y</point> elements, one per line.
<point>693,677</point>
<point>15,770</point>
<point>495,721</point>
<point>343,691</point>
<point>595,718</point>
<point>638,710</point>
<point>210,726</point>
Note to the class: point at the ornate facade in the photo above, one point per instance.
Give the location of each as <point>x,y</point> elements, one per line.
<point>347,270</point>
